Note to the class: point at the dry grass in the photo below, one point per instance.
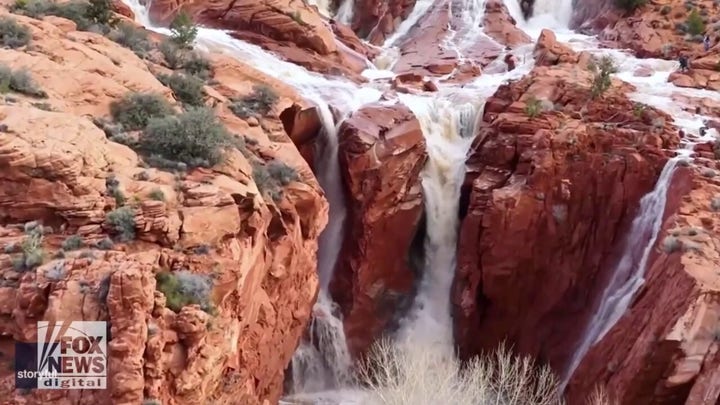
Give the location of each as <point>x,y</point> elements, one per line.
<point>428,375</point>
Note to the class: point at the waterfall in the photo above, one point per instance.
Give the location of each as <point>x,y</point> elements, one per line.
<point>448,128</point>
<point>627,277</point>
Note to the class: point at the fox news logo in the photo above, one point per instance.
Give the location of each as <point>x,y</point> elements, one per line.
<point>70,355</point>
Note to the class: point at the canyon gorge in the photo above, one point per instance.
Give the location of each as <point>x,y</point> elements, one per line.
<point>258,192</point>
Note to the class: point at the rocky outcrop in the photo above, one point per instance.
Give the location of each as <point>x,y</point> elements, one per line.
<point>664,350</point>
<point>553,180</point>
<point>62,174</point>
<point>704,74</point>
<point>548,51</point>
<point>659,29</point>
<point>461,55</point>
<point>376,20</point>
<point>292,29</point>
<point>382,151</point>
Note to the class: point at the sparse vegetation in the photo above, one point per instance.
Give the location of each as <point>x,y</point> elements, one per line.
<point>131,37</point>
<point>196,65</point>
<point>671,244</point>
<point>179,58</point>
<point>95,15</point>
<point>630,5</point>
<point>135,110</point>
<point>201,250</point>
<point>715,203</point>
<point>271,178</point>
<point>195,138</point>
<point>73,242</point>
<point>19,81</point>
<point>32,254</point>
<point>533,107</point>
<point>157,195</point>
<point>105,244</point>
<point>56,272</point>
<point>398,374</point>
<point>183,30</point>
<point>183,288</point>
<point>188,89</point>
<point>694,23</point>
<point>122,221</point>
<point>602,70</point>
<point>100,12</point>
<point>12,34</point>
<point>260,102</point>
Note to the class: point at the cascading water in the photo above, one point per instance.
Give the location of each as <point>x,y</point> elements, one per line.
<point>448,129</point>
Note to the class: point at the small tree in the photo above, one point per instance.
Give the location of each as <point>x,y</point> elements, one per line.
<point>183,30</point>
<point>695,24</point>
<point>601,81</point>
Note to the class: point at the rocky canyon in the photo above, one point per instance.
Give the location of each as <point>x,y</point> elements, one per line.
<point>252,194</point>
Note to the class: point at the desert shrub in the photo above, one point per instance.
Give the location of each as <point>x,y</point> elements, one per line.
<point>259,102</point>
<point>135,110</point>
<point>131,37</point>
<point>671,244</point>
<point>183,288</point>
<point>602,69</point>
<point>188,89</point>
<point>695,24</point>
<point>630,5</point>
<point>196,65</point>
<point>157,195</point>
<point>75,11</point>
<point>122,222</point>
<point>100,12</point>
<point>715,203</point>
<point>19,81</point>
<point>73,242</point>
<point>12,34</point>
<point>173,54</point>
<point>272,177</point>
<point>533,108</point>
<point>183,30</point>
<point>105,244</point>
<point>201,250</point>
<point>31,252</point>
<point>56,271</point>
<point>414,373</point>
<point>195,138</point>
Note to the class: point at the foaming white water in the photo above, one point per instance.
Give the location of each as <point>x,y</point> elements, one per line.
<point>551,14</point>
<point>448,129</point>
<point>421,7</point>
<point>345,11</point>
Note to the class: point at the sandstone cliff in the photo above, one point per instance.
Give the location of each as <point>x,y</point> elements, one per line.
<point>87,224</point>
<point>554,178</point>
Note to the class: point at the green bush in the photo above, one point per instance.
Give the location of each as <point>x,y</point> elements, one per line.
<point>173,54</point>
<point>187,89</point>
<point>259,102</point>
<point>183,30</point>
<point>12,34</point>
<point>76,11</point>
<point>196,65</point>
<point>122,221</point>
<point>630,5</point>
<point>73,242</point>
<point>100,12</point>
<point>135,110</point>
<point>185,288</point>
<point>602,70</point>
<point>19,81</point>
<point>195,138</point>
<point>271,178</point>
<point>695,24</point>
<point>32,254</point>
<point>131,37</point>
<point>533,107</point>
<point>157,195</point>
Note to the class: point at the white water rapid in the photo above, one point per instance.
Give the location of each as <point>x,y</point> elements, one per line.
<point>321,367</point>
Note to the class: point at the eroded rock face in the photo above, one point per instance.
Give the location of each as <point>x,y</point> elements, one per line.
<point>259,253</point>
<point>291,29</point>
<point>554,178</point>
<point>378,19</point>
<point>664,350</point>
<point>548,51</point>
<point>382,151</point>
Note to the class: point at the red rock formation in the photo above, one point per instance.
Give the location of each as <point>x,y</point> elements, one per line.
<point>664,350</point>
<point>500,26</point>
<point>382,151</point>
<point>293,30</point>
<point>553,179</point>
<point>378,19</point>
<point>260,253</point>
<point>550,52</point>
